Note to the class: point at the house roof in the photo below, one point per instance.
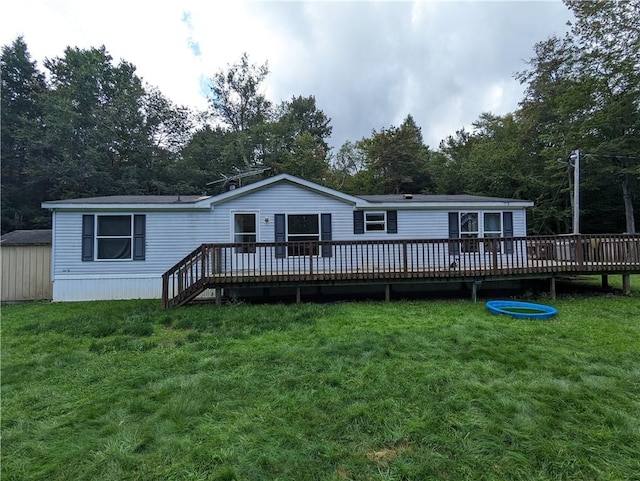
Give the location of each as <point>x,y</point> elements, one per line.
<point>195,202</point>
<point>134,199</point>
<point>131,202</point>
<point>27,237</point>
<point>413,198</point>
<point>282,178</point>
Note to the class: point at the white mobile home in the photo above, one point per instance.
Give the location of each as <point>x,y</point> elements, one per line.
<point>119,247</point>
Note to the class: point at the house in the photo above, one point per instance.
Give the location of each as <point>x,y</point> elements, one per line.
<point>119,247</point>
<point>26,265</point>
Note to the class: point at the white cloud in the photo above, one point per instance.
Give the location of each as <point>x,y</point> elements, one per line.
<point>369,64</point>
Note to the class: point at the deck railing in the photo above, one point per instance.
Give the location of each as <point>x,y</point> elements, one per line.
<point>241,264</point>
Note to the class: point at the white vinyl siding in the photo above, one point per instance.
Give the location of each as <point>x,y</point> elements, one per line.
<point>291,199</point>
<point>169,237</point>
<point>285,199</point>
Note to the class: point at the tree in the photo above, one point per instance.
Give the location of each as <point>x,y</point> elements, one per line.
<point>21,90</point>
<point>301,115</point>
<point>209,154</point>
<point>107,134</point>
<point>608,34</point>
<point>397,158</point>
<point>296,142</point>
<point>348,168</point>
<point>448,167</point>
<point>94,125</point>
<point>235,95</point>
<point>91,129</point>
<point>583,93</point>
<point>168,126</point>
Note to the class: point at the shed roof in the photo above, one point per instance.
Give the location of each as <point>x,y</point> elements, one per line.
<point>27,237</point>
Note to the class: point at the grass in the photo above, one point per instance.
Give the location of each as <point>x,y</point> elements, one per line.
<point>351,391</point>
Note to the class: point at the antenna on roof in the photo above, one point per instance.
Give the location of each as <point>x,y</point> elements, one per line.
<point>233,180</point>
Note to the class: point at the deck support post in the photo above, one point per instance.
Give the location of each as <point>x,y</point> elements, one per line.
<point>552,288</point>
<point>605,281</point>
<point>626,284</point>
<point>387,292</point>
<point>298,295</point>
<point>218,294</point>
<point>475,286</point>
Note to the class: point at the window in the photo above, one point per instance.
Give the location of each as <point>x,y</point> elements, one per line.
<point>303,228</point>
<point>492,229</point>
<point>298,234</point>
<point>374,221</point>
<point>464,225</point>
<point>113,237</point>
<point>469,231</point>
<point>244,230</point>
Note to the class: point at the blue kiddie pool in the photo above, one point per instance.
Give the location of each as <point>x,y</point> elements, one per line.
<point>522,310</point>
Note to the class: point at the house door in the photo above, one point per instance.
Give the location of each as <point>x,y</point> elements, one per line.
<point>245,234</point>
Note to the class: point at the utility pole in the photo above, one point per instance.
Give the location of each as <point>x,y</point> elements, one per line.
<point>575,157</point>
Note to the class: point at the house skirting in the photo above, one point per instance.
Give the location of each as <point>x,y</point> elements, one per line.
<point>109,288</point>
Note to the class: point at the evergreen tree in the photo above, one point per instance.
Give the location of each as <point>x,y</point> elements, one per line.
<point>397,159</point>
<point>22,87</point>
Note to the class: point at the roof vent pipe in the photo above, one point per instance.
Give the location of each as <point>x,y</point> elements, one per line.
<point>232,184</point>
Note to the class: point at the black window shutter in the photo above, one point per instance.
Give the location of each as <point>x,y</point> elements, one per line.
<point>358,222</point>
<point>325,233</point>
<point>392,221</point>
<point>454,233</point>
<point>507,229</point>
<point>87,237</point>
<point>280,234</point>
<point>139,231</point>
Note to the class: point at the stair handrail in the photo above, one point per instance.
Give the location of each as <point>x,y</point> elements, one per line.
<point>184,282</point>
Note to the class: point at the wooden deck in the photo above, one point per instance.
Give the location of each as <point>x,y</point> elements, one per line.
<point>231,265</point>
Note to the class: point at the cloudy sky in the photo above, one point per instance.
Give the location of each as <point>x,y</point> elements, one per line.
<point>368,64</point>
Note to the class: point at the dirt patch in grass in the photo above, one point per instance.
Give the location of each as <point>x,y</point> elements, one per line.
<point>385,455</point>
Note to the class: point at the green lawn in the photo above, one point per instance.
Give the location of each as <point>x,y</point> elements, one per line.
<point>420,390</point>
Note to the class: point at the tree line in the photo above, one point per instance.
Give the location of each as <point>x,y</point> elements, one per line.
<point>89,126</point>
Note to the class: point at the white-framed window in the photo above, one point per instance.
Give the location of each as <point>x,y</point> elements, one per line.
<point>375,221</point>
<point>492,229</point>
<point>303,234</point>
<point>245,231</point>
<point>114,237</point>
<point>494,225</point>
<point>469,231</point>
